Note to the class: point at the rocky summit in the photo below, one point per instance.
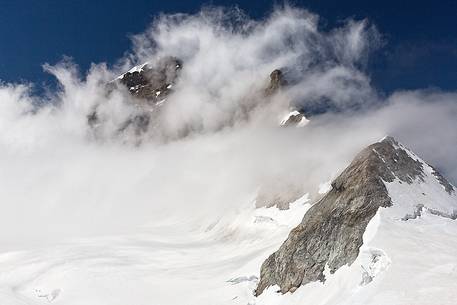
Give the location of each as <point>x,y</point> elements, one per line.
<point>331,232</point>
<point>152,82</point>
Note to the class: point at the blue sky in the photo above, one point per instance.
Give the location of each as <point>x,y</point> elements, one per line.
<point>420,36</point>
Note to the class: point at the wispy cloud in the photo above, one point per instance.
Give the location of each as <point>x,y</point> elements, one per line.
<point>58,180</point>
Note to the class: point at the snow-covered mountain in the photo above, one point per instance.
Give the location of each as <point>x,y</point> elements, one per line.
<point>230,165</point>
<point>384,233</point>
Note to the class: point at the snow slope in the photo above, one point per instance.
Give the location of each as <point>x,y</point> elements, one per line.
<point>167,264</point>
<point>137,68</point>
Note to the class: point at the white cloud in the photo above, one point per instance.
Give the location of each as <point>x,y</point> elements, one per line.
<point>58,181</point>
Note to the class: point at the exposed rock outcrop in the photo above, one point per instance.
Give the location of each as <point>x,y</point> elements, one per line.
<point>449,188</point>
<point>277,81</point>
<point>295,117</point>
<point>152,82</point>
<point>330,233</point>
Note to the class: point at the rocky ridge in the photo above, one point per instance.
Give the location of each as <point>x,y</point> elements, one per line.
<point>150,85</point>
<point>330,234</point>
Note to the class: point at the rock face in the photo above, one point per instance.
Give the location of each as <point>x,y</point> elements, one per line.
<point>277,81</point>
<point>449,188</point>
<point>331,231</point>
<point>295,118</point>
<point>152,83</point>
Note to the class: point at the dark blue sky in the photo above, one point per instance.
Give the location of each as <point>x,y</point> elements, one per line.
<point>421,36</point>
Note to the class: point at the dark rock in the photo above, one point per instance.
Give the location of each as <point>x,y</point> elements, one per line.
<point>447,186</point>
<point>150,84</point>
<point>153,83</point>
<point>331,231</point>
<point>277,81</point>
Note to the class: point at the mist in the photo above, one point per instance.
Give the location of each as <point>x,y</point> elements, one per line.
<point>217,140</point>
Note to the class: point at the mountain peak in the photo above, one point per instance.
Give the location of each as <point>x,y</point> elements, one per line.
<point>152,82</point>
<point>331,232</point>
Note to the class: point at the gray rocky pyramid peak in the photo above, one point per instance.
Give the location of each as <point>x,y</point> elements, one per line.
<point>331,232</point>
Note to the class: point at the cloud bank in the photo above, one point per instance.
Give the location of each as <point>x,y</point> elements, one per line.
<point>216,141</point>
